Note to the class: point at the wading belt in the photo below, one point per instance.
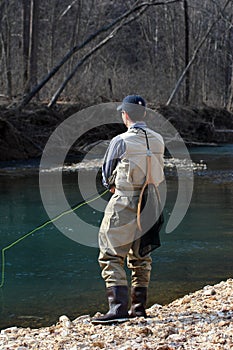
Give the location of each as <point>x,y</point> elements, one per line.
<point>149,180</point>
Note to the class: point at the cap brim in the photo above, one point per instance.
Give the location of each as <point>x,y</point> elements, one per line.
<point>119,108</point>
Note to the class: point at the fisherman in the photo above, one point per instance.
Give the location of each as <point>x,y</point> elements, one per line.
<point>124,173</point>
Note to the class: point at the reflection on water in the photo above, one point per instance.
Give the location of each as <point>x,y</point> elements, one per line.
<point>48,275</point>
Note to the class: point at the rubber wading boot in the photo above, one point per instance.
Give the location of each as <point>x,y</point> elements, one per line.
<point>138,302</point>
<point>118,306</point>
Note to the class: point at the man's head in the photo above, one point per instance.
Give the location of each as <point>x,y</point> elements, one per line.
<point>134,106</point>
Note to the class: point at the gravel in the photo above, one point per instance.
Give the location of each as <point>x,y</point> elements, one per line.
<point>201,320</point>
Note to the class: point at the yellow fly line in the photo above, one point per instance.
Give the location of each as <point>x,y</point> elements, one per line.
<point>41,227</point>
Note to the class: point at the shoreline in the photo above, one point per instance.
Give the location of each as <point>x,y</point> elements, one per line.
<point>26,132</point>
<point>199,320</point>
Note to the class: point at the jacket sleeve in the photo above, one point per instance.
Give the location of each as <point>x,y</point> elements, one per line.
<point>113,155</point>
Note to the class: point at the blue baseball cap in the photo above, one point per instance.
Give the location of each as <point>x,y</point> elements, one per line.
<point>130,102</point>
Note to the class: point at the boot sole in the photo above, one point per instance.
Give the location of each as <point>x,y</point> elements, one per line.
<point>115,320</point>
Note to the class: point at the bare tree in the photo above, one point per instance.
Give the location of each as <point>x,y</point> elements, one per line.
<point>32,55</point>
<point>194,55</point>
<point>5,26</point>
<point>91,52</point>
<point>186,53</point>
<point>26,39</point>
<point>230,99</point>
<point>137,7</point>
<point>61,45</point>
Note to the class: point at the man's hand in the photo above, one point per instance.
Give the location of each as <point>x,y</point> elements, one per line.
<point>112,189</point>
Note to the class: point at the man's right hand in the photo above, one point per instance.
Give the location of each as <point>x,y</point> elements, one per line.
<point>112,189</point>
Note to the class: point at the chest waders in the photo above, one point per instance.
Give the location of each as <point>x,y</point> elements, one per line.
<point>148,207</point>
<point>149,213</point>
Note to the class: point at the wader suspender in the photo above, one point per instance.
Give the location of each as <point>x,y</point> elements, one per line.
<point>149,180</point>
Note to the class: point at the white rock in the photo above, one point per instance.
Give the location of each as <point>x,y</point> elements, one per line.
<point>209,292</point>
<point>63,318</point>
<point>65,321</point>
<point>64,333</point>
<point>94,336</point>
<point>10,330</point>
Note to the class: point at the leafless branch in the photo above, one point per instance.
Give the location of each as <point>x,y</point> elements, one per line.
<point>194,55</point>
<point>27,98</point>
<point>67,9</point>
<point>90,53</point>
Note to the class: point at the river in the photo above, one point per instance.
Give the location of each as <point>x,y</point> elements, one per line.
<point>48,274</point>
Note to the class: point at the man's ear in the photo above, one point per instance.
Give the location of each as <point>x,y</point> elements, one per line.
<point>127,117</point>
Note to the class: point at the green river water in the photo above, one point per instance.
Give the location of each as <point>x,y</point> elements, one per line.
<point>48,274</point>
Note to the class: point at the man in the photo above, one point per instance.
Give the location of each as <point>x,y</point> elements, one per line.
<point>124,173</point>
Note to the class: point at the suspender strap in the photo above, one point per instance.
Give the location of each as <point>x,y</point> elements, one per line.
<point>147,141</point>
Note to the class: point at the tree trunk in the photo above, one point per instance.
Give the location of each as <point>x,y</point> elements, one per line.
<point>26,39</point>
<point>186,53</point>
<point>2,8</point>
<point>75,32</point>
<point>6,43</point>
<point>33,47</point>
<point>34,24</point>
<point>230,99</point>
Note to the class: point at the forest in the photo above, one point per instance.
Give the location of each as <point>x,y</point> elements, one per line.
<point>171,52</point>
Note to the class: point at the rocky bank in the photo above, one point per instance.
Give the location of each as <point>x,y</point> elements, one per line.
<point>201,320</point>
<point>24,133</point>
